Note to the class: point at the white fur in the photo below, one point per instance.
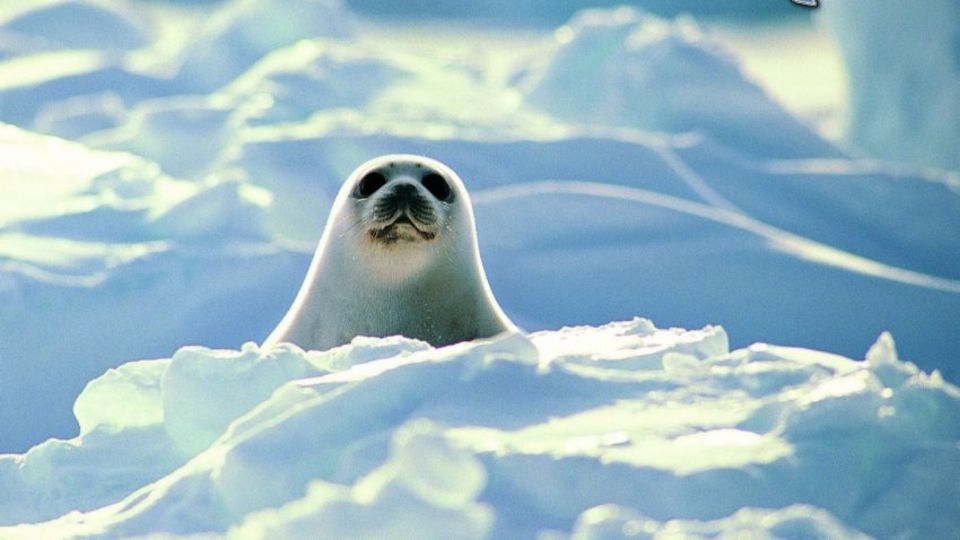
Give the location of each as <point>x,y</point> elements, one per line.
<point>434,290</point>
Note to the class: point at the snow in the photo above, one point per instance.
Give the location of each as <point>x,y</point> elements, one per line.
<point>904,93</point>
<point>582,430</point>
<point>537,12</point>
<point>627,68</point>
<point>73,24</point>
<point>166,171</point>
<point>244,31</point>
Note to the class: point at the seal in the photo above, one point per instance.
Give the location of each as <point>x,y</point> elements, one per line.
<point>398,255</point>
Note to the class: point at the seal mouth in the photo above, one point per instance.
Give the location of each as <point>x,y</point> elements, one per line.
<point>402,228</point>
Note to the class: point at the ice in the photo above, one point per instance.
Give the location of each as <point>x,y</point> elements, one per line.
<point>197,377</point>
<point>223,207</point>
<point>535,12</point>
<point>30,86</point>
<point>577,345</point>
<point>501,438</point>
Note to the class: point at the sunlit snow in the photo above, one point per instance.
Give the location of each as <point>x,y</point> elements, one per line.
<point>504,438</point>
<point>165,172</point>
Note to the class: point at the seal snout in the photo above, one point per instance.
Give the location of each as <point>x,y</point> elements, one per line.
<point>405,214</point>
<point>405,200</point>
<point>405,191</point>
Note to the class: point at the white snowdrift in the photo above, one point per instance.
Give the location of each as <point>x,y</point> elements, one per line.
<point>243,31</point>
<point>95,248</point>
<point>904,91</point>
<point>72,24</point>
<point>584,429</point>
<point>189,209</point>
<point>628,68</point>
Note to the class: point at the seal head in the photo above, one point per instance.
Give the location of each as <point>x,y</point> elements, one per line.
<point>398,256</point>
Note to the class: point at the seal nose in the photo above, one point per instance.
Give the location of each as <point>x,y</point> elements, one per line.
<point>406,198</point>
<point>405,193</point>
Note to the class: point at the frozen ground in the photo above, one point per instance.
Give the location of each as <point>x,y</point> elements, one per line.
<point>164,187</point>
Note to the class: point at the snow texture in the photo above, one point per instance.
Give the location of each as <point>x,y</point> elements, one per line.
<point>73,24</point>
<point>599,432</point>
<point>166,171</point>
<point>174,213</point>
<point>904,92</point>
<point>554,12</point>
<point>626,68</point>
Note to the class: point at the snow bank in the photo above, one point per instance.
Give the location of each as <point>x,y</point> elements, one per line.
<point>904,92</point>
<point>94,248</point>
<point>243,31</point>
<point>187,206</point>
<point>294,82</point>
<point>548,14</point>
<point>60,78</point>
<point>185,135</point>
<point>627,68</point>
<point>585,430</point>
<point>73,24</point>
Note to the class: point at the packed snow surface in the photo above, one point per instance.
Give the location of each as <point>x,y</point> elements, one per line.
<point>165,174</point>
<point>593,432</point>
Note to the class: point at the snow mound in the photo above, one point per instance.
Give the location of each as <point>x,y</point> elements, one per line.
<point>242,32</point>
<point>187,207</point>
<point>588,430</point>
<point>82,115</point>
<point>294,82</point>
<point>425,489</point>
<point>611,522</point>
<point>185,135</point>
<point>51,180</point>
<point>540,13</point>
<point>73,24</point>
<point>64,84</point>
<point>904,93</point>
<point>97,229</point>
<point>624,67</point>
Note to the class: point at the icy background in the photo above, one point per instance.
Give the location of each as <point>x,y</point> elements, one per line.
<point>166,168</point>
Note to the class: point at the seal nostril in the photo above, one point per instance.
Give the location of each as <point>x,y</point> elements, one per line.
<point>404,194</point>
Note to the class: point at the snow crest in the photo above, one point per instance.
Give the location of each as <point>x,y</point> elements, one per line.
<point>584,430</point>
<point>627,68</point>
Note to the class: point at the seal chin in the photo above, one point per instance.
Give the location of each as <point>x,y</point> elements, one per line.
<point>402,229</point>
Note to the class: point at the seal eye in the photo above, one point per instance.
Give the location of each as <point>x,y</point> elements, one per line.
<point>369,184</point>
<point>437,186</point>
